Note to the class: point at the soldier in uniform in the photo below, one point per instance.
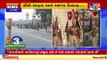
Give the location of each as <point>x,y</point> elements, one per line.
<point>74,30</point>
<point>57,37</point>
<point>73,36</point>
<point>93,36</point>
<point>67,34</point>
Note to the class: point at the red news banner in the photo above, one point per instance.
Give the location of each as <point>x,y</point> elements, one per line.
<point>3,2</point>
<point>57,52</point>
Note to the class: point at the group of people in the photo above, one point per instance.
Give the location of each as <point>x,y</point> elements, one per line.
<point>76,32</point>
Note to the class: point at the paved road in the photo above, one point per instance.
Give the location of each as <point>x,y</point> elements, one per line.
<point>32,37</point>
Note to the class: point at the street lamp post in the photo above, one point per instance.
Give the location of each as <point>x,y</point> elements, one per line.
<point>9,23</point>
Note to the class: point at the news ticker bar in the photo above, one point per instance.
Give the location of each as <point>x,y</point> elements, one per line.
<point>57,52</point>
<point>55,57</point>
<point>48,5</point>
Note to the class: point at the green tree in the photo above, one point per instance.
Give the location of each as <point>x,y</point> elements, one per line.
<point>46,15</point>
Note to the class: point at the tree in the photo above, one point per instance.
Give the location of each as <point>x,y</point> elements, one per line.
<point>46,15</point>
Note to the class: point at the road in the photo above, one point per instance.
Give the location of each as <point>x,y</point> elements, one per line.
<point>32,37</point>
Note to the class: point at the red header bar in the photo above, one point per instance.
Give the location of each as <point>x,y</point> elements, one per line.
<point>102,2</point>
<point>57,52</point>
<point>51,1</point>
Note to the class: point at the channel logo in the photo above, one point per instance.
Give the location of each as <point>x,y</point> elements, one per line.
<point>13,7</point>
<point>17,40</point>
